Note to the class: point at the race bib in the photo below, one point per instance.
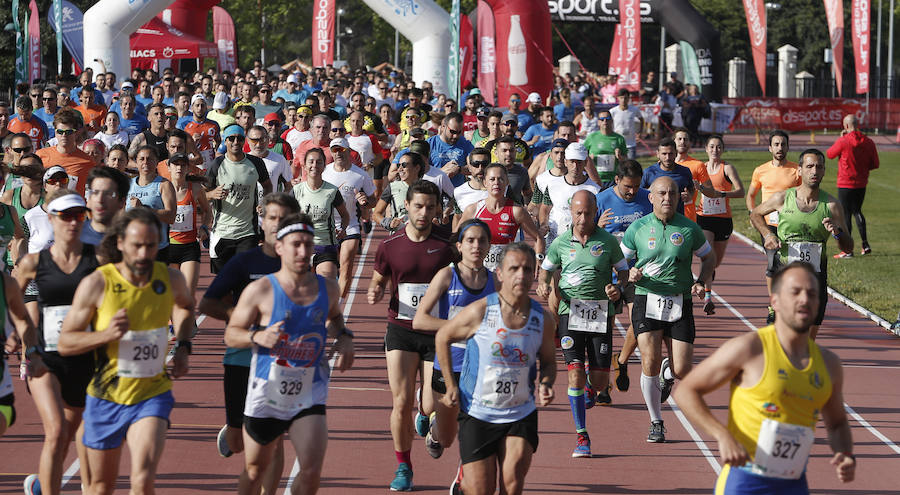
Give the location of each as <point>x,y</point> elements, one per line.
<point>289,389</point>
<point>52,320</point>
<point>773,218</point>
<point>410,296</point>
<point>492,259</point>
<point>782,450</point>
<point>505,388</point>
<point>714,206</point>
<point>184,219</point>
<point>588,316</point>
<point>663,308</point>
<point>606,163</point>
<point>142,353</point>
<point>810,252</point>
<point>73,182</point>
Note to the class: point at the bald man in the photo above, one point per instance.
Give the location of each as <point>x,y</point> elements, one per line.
<point>856,156</point>
<point>661,244</point>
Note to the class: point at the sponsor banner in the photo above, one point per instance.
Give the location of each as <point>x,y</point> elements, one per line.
<point>834,12</point>
<point>34,42</point>
<point>794,114</point>
<point>629,49</point>
<point>592,11</point>
<point>454,60</point>
<point>223,36</point>
<point>487,52</point>
<point>72,34</point>
<point>755,11</point>
<point>861,42</point>
<point>466,52</point>
<point>323,33</point>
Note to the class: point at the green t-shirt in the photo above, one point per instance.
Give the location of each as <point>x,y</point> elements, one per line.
<point>320,205</point>
<point>586,269</point>
<point>602,148</point>
<point>235,215</point>
<point>664,252</point>
<point>802,234</point>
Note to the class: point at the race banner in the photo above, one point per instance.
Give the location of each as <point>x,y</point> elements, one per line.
<point>56,13</point>
<point>21,62</point>
<point>625,56</point>
<point>690,64</point>
<point>71,19</point>
<point>861,38</point>
<point>223,34</point>
<point>834,12</point>
<point>34,43</point>
<point>487,53</point>
<point>793,114</point>
<point>323,33</point>
<point>755,11</point>
<point>466,52</point>
<point>453,61</point>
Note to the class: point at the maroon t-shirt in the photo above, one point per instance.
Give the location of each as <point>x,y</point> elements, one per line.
<point>408,262</point>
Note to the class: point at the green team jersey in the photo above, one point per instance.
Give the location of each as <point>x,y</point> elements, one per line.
<point>663,253</point>
<point>602,148</point>
<point>319,204</point>
<point>586,269</point>
<point>802,234</point>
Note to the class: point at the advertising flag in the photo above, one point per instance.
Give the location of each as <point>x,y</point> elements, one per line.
<point>487,53</point>
<point>629,49</point>
<point>453,70</point>
<point>755,11</point>
<point>70,18</point>
<point>466,51</point>
<point>223,34</point>
<point>834,12</point>
<point>861,43</point>
<point>34,43</point>
<point>323,33</point>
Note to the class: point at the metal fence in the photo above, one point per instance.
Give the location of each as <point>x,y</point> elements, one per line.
<point>820,86</point>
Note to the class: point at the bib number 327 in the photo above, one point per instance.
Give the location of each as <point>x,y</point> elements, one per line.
<point>782,449</point>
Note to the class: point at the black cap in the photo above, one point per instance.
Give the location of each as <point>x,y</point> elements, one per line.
<point>179,157</point>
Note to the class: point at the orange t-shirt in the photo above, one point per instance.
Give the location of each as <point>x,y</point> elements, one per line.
<point>30,127</point>
<point>208,130</point>
<point>300,156</point>
<point>698,171</point>
<point>92,115</point>
<point>770,179</point>
<point>716,207</point>
<point>76,163</point>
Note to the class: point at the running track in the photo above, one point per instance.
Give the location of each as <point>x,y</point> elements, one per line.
<point>360,457</point>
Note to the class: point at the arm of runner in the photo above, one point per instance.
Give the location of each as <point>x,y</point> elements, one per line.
<point>837,226</point>
<point>757,218</point>
<point>182,321</point>
<point>343,341</point>
<point>706,188</point>
<point>202,203</point>
<point>527,224</point>
<point>439,284</point>
<point>376,287</point>
<point>707,265</point>
<point>545,281</point>
<point>74,337</point>
<point>24,273</point>
<point>468,213</point>
<point>170,203</point>
<point>239,332</point>
<point>345,218</point>
<point>839,436</point>
<point>136,143</point>
<point>591,169</point>
<point>723,366</point>
<point>458,329</point>
<point>547,356</point>
<point>755,185</point>
<point>23,326</point>
<point>737,187</point>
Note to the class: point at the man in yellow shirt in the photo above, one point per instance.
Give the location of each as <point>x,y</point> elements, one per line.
<point>129,303</point>
<point>780,380</point>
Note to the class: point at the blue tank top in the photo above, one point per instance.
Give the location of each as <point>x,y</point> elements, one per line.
<point>150,197</point>
<point>457,297</point>
<point>293,375</point>
<point>499,369</point>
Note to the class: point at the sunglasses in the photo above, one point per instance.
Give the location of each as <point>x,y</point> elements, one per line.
<point>62,181</point>
<point>510,123</point>
<point>336,129</point>
<point>65,132</point>
<point>235,138</point>
<point>338,149</point>
<point>22,150</point>
<point>254,140</point>
<point>480,163</point>
<point>68,215</point>
<point>172,117</point>
<point>515,101</point>
<point>34,95</point>
<point>605,118</point>
<point>49,99</point>
<point>264,91</point>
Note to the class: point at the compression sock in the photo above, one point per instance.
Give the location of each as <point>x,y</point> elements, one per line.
<point>576,402</point>
<point>708,295</point>
<point>652,395</point>
<point>403,457</point>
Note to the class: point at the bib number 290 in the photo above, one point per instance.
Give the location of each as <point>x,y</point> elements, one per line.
<point>146,352</point>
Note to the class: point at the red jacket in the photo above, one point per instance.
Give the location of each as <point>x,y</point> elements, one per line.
<point>857,156</point>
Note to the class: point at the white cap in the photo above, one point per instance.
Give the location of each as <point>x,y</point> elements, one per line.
<point>576,151</point>
<point>220,102</point>
<point>339,142</point>
<point>292,79</point>
<point>533,98</point>
<point>196,97</point>
<point>126,84</point>
<point>56,169</point>
<point>63,203</point>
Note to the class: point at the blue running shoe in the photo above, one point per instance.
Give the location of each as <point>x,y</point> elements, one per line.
<point>422,424</point>
<point>402,478</point>
<point>32,485</point>
<point>582,446</point>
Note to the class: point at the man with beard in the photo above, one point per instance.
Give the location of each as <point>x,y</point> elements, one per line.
<point>449,149</point>
<point>766,449</point>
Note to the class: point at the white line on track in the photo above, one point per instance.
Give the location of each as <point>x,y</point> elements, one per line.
<point>295,470</point>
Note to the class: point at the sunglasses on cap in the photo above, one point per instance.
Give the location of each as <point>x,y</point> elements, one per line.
<point>58,181</point>
<point>65,132</point>
<point>77,214</point>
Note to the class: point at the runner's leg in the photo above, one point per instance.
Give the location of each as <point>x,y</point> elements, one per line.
<point>327,269</point>
<point>257,459</point>
<point>402,367</point>
<point>682,358</point>
<point>349,249</point>
<point>272,474</point>
<point>104,469</point>
<point>480,477</point>
<point>309,435</point>
<point>191,271</point>
<point>146,439</point>
<point>47,396</point>
<point>514,456</point>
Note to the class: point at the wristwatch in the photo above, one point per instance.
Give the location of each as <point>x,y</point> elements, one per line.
<point>186,344</point>
<point>723,193</point>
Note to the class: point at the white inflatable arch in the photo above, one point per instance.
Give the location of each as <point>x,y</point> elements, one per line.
<point>107,27</point>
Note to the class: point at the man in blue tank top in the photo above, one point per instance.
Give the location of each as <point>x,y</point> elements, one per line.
<point>505,334</point>
<point>289,371</point>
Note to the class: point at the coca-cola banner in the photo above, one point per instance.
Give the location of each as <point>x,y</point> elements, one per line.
<point>34,43</point>
<point>794,114</point>
<point>487,54</point>
<point>223,34</point>
<point>861,54</point>
<point>756,25</point>
<point>625,59</point>
<point>834,12</point>
<point>524,52</point>
<point>466,51</point>
<point>323,33</point>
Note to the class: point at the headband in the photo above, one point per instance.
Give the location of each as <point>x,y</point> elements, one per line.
<point>476,223</point>
<point>294,227</point>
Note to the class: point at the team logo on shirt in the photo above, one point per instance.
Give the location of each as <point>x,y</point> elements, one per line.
<point>158,286</point>
<point>771,410</point>
<point>572,254</point>
<point>501,333</point>
<point>304,351</point>
<point>504,216</point>
<point>815,380</point>
<point>596,250</point>
<point>651,243</point>
<point>566,342</point>
<point>676,238</point>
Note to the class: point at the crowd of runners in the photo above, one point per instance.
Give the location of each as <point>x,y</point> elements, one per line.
<point>114,188</point>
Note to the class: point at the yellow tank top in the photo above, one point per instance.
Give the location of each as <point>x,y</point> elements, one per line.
<point>132,369</point>
<point>784,394</point>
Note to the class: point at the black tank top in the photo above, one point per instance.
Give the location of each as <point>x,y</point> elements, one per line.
<point>158,143</point>
<point>56,288</point>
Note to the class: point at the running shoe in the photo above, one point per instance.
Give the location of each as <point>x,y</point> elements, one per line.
<point>222,443</point>
<point>657,432</point>
<point>582,445</point>
<point>866,250</point>
<point>603,398</point>
<point>433,447</point>
<point>665,386</point>
<point>588,396</point>
<point>456,486</point>
<point>622,380</point>
<point>709,307</point>
<point>422,424</point>
<point>896,325</point>
<point>367,226</point>
<point>770,319</point>
<point>402,478</point>
<point>32,485</point>
<point>843,254</point>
